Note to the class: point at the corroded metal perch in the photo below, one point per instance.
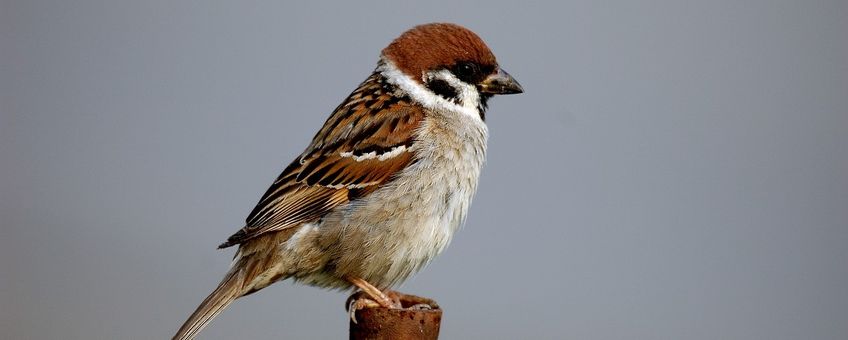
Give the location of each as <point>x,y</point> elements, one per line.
<point>420,319</point>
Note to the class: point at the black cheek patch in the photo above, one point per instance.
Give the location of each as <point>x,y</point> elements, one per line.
<point>442,88</point>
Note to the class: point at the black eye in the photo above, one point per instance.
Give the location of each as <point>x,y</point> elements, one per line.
<point>467,71</point>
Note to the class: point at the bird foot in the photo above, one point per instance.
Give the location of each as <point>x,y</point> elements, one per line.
<point>394,298</point>
<point>362,300</point>
<point>355,303</point>
<point>421,306</point>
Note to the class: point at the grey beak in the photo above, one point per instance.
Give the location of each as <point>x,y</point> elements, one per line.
<point>500,83</point>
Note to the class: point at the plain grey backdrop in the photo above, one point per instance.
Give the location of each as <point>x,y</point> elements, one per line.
<point>675,169</point>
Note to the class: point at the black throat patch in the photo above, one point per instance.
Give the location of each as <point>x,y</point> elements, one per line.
<point>484,105</point>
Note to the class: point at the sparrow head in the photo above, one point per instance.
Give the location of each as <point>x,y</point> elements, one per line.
<point>452,62</point>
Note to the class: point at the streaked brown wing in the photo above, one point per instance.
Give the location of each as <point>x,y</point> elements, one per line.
<point>361,146</point>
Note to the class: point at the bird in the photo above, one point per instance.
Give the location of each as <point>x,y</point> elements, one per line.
<point>383,185</point>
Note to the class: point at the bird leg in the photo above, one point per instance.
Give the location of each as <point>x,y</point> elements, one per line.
<point>376,294</point>
<point>374,297</point>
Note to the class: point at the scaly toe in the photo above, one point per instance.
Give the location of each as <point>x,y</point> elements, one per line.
<point>395,299</point>
<point>421,306</point>
<point>355,304</point>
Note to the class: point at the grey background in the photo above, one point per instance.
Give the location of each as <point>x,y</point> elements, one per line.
<point>675,170</point>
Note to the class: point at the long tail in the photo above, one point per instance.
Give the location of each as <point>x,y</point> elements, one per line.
<point>230,288</point>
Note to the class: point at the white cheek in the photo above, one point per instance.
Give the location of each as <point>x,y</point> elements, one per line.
<point>469,98</point>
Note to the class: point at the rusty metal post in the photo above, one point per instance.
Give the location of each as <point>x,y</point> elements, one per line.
<point>379,323</point>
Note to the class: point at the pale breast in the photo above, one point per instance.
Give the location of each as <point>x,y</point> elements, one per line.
<point>395,231</point>
<point>401,227</point>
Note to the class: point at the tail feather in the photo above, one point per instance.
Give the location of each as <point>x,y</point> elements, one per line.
<point>227,291</point>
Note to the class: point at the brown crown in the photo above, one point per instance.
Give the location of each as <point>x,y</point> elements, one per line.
<point>426,47</point>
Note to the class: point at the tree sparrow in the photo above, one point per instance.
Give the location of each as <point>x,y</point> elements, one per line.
<point>384,184</point>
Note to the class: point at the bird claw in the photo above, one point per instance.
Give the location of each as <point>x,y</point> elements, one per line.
<point>421,306</point>
<point>356,303</point>
<point>394,299</point>
<point>362,300</point>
